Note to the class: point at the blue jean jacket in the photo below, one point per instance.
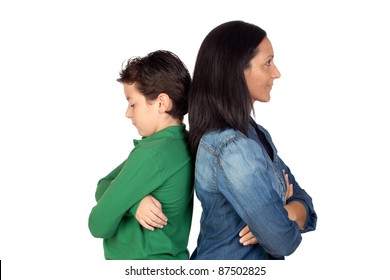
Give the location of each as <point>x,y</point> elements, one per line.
<point>238,184</point>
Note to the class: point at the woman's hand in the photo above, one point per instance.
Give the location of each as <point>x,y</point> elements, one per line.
<point>290,189</point>
<point>149,213</point>
<point>246,237</point>
<point>295,209</point>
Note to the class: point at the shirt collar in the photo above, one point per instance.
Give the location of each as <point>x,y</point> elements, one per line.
<point>174,132</point>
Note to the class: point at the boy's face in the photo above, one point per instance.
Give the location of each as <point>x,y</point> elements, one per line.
<point>143,113</point>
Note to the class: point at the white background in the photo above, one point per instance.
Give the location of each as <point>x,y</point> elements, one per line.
<point>63,123</point>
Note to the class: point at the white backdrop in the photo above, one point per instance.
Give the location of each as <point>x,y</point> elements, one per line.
<point>63,123</point>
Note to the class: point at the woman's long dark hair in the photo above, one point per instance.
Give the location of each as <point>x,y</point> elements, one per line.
<point>219,96</point>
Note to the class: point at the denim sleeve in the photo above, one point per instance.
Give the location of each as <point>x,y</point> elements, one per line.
<point>248,184</point>
<point>300,195</point>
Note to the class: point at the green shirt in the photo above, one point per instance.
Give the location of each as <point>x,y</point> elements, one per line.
<point>159,165</point>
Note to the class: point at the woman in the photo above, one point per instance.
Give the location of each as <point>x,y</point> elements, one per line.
<point>239,178</point>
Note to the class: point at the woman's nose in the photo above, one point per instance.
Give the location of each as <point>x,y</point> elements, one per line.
<point>276,73</point>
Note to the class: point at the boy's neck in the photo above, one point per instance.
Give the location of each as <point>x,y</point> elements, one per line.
<point>174,122</point>
<point>170,121</point>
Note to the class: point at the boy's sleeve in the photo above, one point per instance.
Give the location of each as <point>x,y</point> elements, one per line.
<point>139,176</point>
<point>133,209</point>
<point>105,182</point>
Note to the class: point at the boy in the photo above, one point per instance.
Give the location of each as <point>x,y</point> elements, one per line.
<point>159,166</point>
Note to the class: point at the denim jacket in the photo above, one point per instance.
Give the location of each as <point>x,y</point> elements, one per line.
<point>238,184</point>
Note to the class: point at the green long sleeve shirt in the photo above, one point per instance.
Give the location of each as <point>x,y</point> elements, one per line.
<point>159,165</point>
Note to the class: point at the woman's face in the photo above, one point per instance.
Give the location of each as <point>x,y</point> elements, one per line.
<point>261,73</point>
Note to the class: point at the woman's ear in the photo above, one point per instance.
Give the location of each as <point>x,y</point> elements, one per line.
<point>164,102</point>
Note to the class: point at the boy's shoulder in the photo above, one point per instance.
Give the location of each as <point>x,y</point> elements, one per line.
<point>166,146</point>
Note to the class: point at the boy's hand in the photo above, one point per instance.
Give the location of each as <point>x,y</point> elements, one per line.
<point>246,237</point>
<point>149,213</point>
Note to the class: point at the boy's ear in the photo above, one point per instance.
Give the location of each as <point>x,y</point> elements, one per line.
<point>164,102</point>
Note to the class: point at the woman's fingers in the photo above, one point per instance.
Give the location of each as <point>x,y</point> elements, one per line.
<point>247,237</point>
<point>290,189</point>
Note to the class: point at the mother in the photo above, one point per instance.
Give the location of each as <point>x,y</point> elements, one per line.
<point>239,177</point>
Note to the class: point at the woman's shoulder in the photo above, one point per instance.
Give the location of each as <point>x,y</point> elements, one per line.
<point>218,139</point>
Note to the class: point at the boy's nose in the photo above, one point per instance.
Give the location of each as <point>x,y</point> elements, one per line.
<point>129,113</point>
